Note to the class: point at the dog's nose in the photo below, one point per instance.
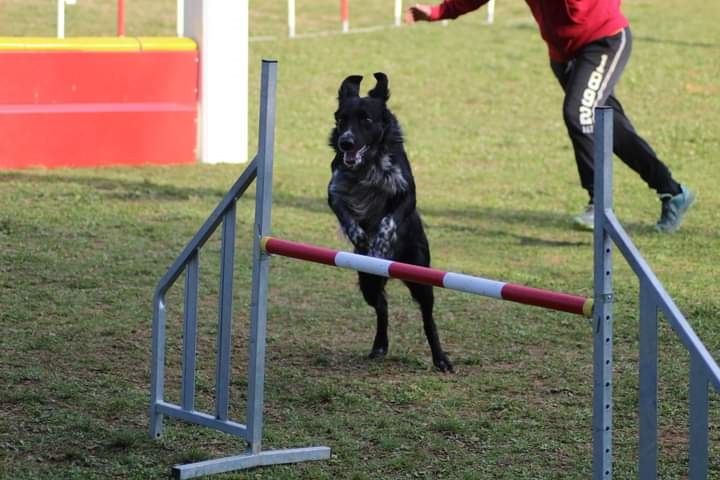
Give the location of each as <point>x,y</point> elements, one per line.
<point>346,142</point>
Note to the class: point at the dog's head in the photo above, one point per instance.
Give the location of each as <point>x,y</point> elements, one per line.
<point>360,122</point>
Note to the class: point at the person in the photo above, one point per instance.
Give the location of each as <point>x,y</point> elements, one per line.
<point>589,43</point>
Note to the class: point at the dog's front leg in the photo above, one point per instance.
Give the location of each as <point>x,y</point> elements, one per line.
<point>354,232</point>
<point>382,244</point>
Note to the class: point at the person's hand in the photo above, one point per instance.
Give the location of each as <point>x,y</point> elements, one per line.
<point>417,13</point>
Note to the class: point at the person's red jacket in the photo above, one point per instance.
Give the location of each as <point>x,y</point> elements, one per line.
<point>565,25</point>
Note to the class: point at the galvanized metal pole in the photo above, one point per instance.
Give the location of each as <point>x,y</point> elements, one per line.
<point>225,303</point>
<point>602,315</point>
<point>157,367</point>
<point>261,261</point>
<point>648,372</point>
<point>699,433</point>
<point>190,310</point>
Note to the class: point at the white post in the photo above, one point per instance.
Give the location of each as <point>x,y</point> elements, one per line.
<point>180,17</point>
<point>398,12</point>
<point>491,11</point>
<point>291,18</point>
<point>60,18</point>
<point>220,27</point>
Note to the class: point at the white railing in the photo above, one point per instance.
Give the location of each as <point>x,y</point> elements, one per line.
<point>345,16</point>
<point>60,15</point>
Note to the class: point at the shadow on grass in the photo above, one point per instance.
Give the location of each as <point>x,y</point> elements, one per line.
<point>346,362</point>
<point>462,218</point>
<point>117,188</point>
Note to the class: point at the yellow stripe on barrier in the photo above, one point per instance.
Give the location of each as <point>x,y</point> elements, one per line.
<point>83,44</point>
<point>97,44</point>
<point>11,44</point>
<point>166,44</point>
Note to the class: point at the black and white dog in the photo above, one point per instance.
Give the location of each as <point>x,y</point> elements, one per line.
<point>372,193</point>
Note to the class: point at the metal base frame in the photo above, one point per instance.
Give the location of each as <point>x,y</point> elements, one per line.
<point>250,460</point>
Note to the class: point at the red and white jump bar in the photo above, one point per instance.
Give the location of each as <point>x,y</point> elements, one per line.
<point>430,276</point>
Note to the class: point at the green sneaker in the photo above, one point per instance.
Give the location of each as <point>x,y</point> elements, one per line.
<point>674,208</point>
<point>586,220</point>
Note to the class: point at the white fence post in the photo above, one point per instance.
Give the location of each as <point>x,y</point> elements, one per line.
<point>220,28</point>
<point>180,18</point>
<point>60,18</point>
<point>291,18</point>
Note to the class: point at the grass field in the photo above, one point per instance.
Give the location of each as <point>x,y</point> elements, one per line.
<point>82,250</point>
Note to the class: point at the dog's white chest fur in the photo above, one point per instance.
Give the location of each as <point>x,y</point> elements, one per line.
<point>387,177</point>
<point>361,195</point>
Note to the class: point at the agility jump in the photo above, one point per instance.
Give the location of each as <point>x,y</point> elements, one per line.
<point>704,374</point>
<point>430,276</point>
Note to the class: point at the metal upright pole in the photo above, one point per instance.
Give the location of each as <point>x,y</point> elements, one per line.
<point>698,461</point>
<point>261,261</point>
<point>648,370</point>
<point>190,311</point>
<point>223,366</point>
<point>602,316</point>
<point>157,366</point>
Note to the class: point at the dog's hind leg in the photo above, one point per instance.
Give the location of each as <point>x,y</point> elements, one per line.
<point>373,290</point>
<point>423,295</point>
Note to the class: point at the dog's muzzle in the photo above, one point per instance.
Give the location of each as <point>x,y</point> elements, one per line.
<point>352,155</point>
<point>354,158</point>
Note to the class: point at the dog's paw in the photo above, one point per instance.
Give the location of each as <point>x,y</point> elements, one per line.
<point>442,363</point>
<point>356,235</point>
<point>382,245</point>
<point>377,352</point>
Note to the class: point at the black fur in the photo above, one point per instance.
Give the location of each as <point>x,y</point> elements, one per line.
<point>372,192</point>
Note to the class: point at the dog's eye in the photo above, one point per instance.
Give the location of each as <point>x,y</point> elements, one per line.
<point>368,120</point>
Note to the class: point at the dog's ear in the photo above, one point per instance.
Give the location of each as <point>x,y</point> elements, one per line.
<point>350,87</point>
<point>380,91</point>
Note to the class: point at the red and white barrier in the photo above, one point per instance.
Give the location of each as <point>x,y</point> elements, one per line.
<point>413,273</point>
<point>345,15</point>
<point>87,102</point>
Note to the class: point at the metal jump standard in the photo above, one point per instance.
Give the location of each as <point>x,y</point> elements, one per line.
<point>704,372</point>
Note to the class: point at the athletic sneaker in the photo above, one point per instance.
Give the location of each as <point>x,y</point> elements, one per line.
<point>673,209</point>
<point>586,220</point>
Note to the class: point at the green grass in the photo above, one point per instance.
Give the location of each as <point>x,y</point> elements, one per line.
<point>82,250</point>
